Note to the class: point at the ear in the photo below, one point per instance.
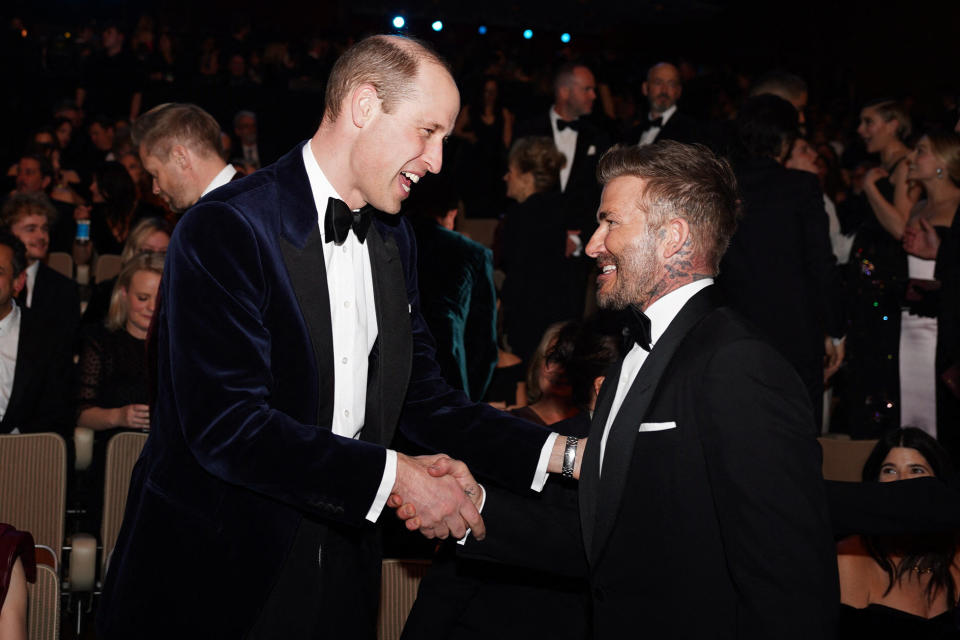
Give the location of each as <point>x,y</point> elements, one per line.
<point>180,156</point>
<point>19,283</point>
<point>677,231</point>
<point>364,104</point>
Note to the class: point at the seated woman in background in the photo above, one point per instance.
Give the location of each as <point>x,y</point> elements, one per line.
<point>900,584</point>
<point>151,235</point>
<point>549,394</point>
<point>16,569</point>
<point>116,209</point>
<point>113,393</point>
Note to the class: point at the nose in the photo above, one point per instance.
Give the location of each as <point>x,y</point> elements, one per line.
<point>595,246</point>
<point>433,154</point>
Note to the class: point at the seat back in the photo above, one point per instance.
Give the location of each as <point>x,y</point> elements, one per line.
<point>61,262</point>
<point>480,230</point>
<point>33,486</point>
<point>108,266</point>
<point>843,459</point>
<point>43,605</point>
<point>123,450</point>
<point>399,582</point>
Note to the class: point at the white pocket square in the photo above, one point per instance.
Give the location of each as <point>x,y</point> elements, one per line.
<point>657,426</point>
<point>409,308</point>
<point>592,150</point>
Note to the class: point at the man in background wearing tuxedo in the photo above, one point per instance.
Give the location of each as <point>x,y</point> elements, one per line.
<point>663,89</point>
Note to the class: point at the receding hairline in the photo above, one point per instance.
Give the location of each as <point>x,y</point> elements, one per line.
<point>663,65</point>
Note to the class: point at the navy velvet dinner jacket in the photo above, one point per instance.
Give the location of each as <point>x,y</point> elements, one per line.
<point>241,447</point>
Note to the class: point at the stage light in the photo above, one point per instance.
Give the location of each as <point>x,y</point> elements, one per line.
<point>564,38</point>
<point>482,30</point>
<point>398,22</point>
<point>23,33</point>
<point>437,25</point>
<point>67,35</point>
<point>527,34</point>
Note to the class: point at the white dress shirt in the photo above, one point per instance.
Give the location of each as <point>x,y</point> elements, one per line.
<point>9,344</point>
<point>650,135</point>
<point>566,142</point>
<point>31,280</point>
<point>661,314</point>
<point>353,319</point>
<point>226,175</point>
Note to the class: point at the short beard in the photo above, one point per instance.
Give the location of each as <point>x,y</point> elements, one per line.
<point>638,272</point>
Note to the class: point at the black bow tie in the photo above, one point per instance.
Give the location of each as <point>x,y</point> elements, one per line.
<point>637,329</point>
<point>339,219</point>
<point>655,122</point>
<point>563,124</point>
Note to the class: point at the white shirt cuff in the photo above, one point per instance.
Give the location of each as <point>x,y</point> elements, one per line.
<point>540,475</point>
<point>386,486</point>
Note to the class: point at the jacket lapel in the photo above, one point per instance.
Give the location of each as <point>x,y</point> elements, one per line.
<point>302,247</point>
<point>619,451</point>
<point>26,356</point>
<point>391,359</point>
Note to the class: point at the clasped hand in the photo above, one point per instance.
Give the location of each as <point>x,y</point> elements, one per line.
<point>437,495</point>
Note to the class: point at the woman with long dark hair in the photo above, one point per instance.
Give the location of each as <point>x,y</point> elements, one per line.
<point>906,583</point>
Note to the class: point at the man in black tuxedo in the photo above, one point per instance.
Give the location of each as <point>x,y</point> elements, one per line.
<point>291,348</point>
<point>663,89</point>
<point>35,358</point>
<point>582,142</point>
<point>49,294</point>
<point>701,503</point>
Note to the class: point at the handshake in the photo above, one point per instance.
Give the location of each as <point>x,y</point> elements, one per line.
<point>439,496</point>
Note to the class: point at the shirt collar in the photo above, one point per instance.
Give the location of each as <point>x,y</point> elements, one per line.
<point>665,309</point>
<point>226,175</point>
<point>666,115</point>
<point>11,320</point>
<point>554,116</point>
<point>319,185</point>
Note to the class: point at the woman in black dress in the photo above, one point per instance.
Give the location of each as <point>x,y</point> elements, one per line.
<point>113,390</point>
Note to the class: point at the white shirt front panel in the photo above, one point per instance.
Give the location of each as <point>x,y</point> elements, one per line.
<point>9,344</point>
<point>566,142</point>
<point>353,320</point>
<point>661,314</point>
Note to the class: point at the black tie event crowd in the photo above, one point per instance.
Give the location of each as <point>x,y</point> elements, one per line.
<point>846,258</point>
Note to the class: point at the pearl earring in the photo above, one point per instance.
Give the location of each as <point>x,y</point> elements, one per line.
<point>939,172</point>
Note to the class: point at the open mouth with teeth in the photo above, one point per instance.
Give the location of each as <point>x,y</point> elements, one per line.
<point>408,179</point>
<point>607,272</point>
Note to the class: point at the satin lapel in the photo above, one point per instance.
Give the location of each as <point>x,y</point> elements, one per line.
<point>589,469</point>
<point>623,432</point>
<point>309,276</point>
<point>390,373</point>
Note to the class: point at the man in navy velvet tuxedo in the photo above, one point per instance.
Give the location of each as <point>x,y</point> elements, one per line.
<point>290,347</point>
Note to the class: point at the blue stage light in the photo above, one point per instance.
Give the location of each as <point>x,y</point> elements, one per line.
<point>398,22</point>
<point>527,34</point>
<point>482,30</point>
<point>564,38</point>
<point>437,25</point>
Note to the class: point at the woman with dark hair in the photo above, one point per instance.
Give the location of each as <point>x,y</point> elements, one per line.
<point>549,392</point>
<point>542,284</point>
<point>905,584</point>
<point>116,208</point>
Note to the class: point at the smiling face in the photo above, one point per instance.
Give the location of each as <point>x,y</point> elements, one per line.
<point>141,297</point>
<point>903,463</point>
<point>627,250</point>
<point>394,150</point>
<point>34,232</point>
<point>876,132</point>
<point>923,162</point>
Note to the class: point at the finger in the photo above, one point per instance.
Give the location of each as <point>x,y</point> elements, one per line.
<point>413,524</point>
<point>394,500</point>
<point>441,467</point>
<point>473,519</point>
<point>456,525</point>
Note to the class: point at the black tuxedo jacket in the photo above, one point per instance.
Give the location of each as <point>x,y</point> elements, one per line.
<point>42,394</point>
<point>709,519</point>
<point>680,127</point>
<point>56,299</point>
<point>241,453</point>
<point>582,188</point>
<point>780,271</point>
